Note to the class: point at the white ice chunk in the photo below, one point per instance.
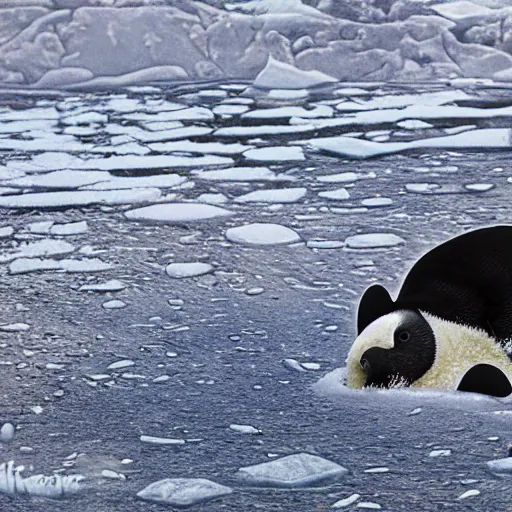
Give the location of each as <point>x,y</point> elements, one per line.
<point>156,181</point>
<point>110,286</point>
<point>276,154</point>
<point>279,75</point>
<point>182,492</point>
<point>340,194</point>
<point>274,195</point>
<point>469,494</point>
<point>161,440</point>
<point>17,327</point>
<point>346,502</point>
<point>358,148</point>
<point>262,234</point>
<point>114,304</point>
<point>71,228</point>
<point>298,470</point>
<point>26,265</point>
<point>6,231</point>
<point>152,162</point>
<point>80,198</point>
<point>414,124</point>
<point>179,270</point>
<point>500,466</point>
<point>237,174</point>
<point>373,241</point>
<point>177,212</point>
<point>244,429</point>
<point>212,198</point>
<point>230,110</point>
<point>393,101</point>
<point>44,247</point>
<point>61,179</point>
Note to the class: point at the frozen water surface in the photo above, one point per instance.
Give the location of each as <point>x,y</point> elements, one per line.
<point>114,371</point>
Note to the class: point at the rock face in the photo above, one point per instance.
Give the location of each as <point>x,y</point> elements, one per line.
<point>116,43</point>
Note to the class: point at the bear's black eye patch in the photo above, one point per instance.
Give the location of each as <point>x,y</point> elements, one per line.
<point>404,336</point>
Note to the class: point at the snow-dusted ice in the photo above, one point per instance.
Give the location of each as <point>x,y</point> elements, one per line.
<point>262,234</point>
<point>501,466</point>
<point>279,75</point>
<point>109,286</point>
<point>180,270</point>
<point>273,195</point>
<point>182,492</point>
<point>80,198</point>
<point>340,194</point>
<point>275,154</point>
<point>298,470</point>
<point>177,212</point>
<point>373,241</point>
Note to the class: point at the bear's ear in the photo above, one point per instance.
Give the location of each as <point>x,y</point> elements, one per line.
<point>374,303</point>
<point>487,380</point>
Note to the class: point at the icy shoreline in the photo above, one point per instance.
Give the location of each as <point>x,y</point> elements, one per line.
<point>44,46</point>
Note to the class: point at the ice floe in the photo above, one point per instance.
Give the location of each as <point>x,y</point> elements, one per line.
<point>373,241</point>
<point>262,234</point>
<point>240,174</point>
<point>279,75</point>
<point>26,265</point>
<point>501,466</point>
<point>177,212</point>
<point>109,286</point>
<point>80,198</point>
<point>70,228</point>
<point>357,148</point>
<point>276,154</point>
<point>346,502</point>
<point>273,195</point>
<point>298,470</point>
<point>183,492</point>
<point>180,270</point>
<point>156,181</point>
<point>7,432</point>
<point>44,247</point>
<point>340,194</point>
<point>114,304</point>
